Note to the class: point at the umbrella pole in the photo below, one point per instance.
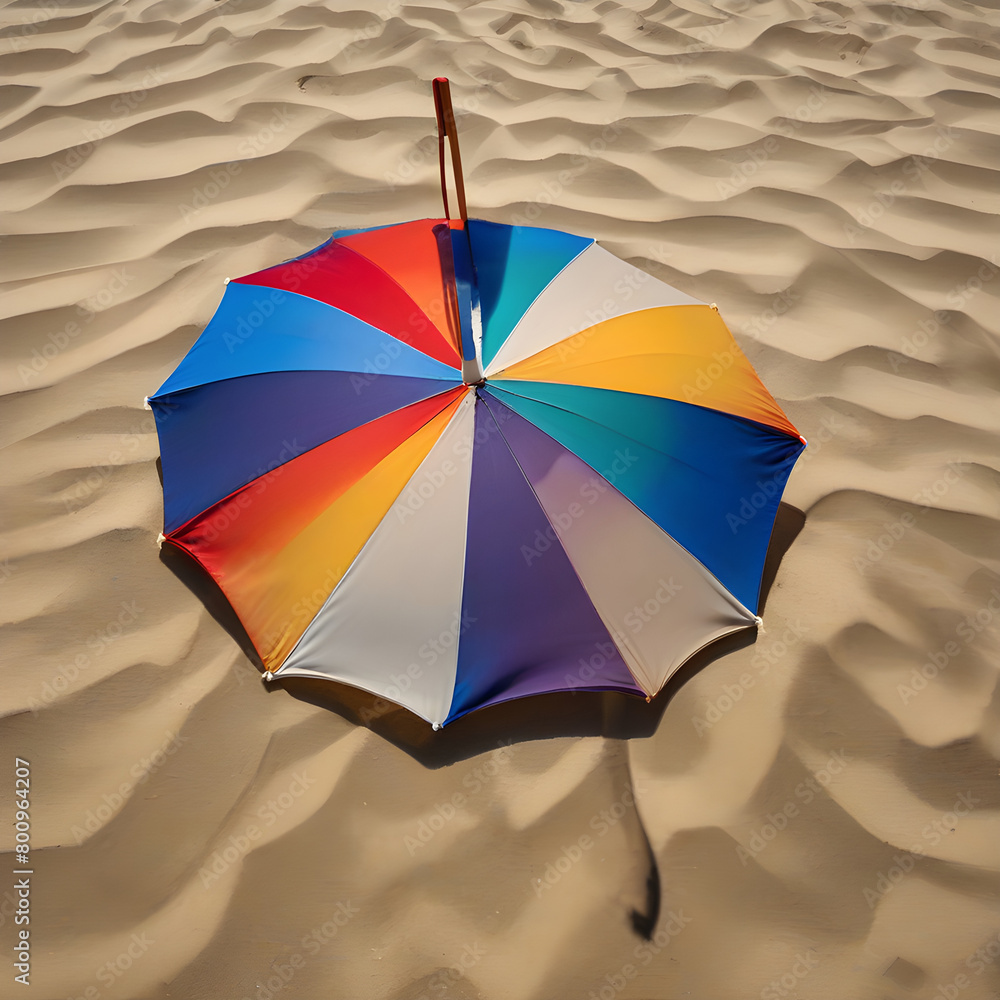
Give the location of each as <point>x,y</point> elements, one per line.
<point>462,261</point>
<point>446,127</point>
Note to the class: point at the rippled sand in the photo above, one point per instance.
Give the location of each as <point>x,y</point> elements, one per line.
<point>811,816</point>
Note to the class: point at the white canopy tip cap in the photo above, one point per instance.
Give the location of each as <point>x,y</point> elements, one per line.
<point>267,677</point>
<point>225,281</point>
<point>759,622</point>
<point>714,306</point>
<point>435,726</point>
<point>160,539</point>
<point>145,403</point>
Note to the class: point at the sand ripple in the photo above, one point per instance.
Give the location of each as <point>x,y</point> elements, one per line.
<point>816,814</point>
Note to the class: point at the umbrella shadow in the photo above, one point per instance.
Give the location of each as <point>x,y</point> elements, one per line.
<point>570,713</point>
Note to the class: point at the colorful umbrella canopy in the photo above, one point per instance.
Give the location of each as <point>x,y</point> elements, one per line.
<point>455,462</point>
<point>459,462</point>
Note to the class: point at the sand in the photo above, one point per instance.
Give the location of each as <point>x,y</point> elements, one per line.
<point>814,815</point>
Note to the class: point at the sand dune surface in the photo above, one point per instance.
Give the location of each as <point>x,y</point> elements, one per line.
<point>815,814</point>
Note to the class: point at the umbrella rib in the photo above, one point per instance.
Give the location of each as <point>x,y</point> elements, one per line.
<point>490,371</point>
<point>616,637</point>
<point>628,437</point>
<point>416,307</point>
<point>732,597</point>
<point>585,368</point>
<point>357,556</point>
<point>250,482</point>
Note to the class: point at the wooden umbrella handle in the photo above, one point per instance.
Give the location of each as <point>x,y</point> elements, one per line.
<point>446,127</point>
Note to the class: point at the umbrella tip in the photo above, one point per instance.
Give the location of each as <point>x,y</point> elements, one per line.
<point>713,305</point>
<point>435,726</point>
<point>759,622</point>
<point>267,677</point>
<point>145,403</point>
<point>160,539</point>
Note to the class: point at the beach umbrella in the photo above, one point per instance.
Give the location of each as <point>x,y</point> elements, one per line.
<point>455,462</point>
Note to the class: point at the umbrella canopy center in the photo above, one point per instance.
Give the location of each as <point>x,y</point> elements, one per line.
<point>472,372</point>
